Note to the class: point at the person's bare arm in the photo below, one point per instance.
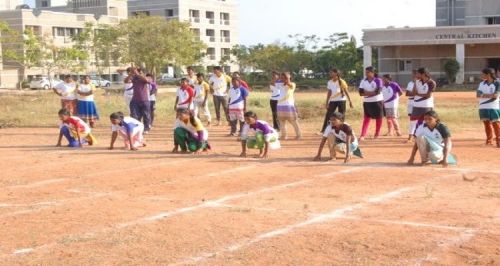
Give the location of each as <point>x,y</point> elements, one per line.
<point>243,148</point>
<point>348,97</point>
<point>264,155</point>
<point>413,153</point>
<point>114,135</point>
<point>447,143</point>
<point>176,102</point>
<point>59,139</point>
<point>348,149</point>
<point>328,96</point>
<point>320,149</point>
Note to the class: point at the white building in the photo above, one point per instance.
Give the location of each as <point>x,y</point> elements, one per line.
<point>215,22</point>
<point>9,4</point>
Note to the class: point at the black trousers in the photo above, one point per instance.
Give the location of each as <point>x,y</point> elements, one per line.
<point>142,112</point>
<point>332,107</point>
<point>274,110</point>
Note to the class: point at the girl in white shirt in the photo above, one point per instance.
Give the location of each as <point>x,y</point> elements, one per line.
<point>488,94</point>
<point>67,91</point>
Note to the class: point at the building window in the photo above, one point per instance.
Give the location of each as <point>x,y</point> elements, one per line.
<point>224,52</point>
<point>36,30</point>
<point>405,65</point>
<point>225,36</point>
<point>210,34</point>
<point>210,17</point>
<point>224,18</point>
<point>141,13</point>
<point>493,20</point>
<point>66,32</point>
<point>169,13</point>
<point>194,15</point>
<point>196,33</point>
<point>45,3</point>
<point>211,53</point>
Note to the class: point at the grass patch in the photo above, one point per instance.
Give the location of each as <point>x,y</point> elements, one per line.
<point>40,109</point>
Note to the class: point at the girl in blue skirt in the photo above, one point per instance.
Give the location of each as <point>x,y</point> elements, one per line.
<point>86,107</point>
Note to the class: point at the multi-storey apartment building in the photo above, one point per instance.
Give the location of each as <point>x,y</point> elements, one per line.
<point>215,22</point>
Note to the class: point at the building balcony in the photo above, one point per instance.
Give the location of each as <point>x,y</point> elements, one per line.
<point>211,38</point>
<point>211,57</point>
<point>194,19</point>
<point>224,22</point>
<point>225,39</point>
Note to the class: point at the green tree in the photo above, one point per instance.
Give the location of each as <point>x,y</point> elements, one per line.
<point>154,42</point>
<point>451,68</point>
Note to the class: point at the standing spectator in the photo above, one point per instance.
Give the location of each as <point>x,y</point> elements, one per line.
<point>191,76</point>
<point>153,89</point>
<point>67,91</point>
<point>488,94</point>
<point>219,85</point>
<point>275,85</point>
<point>140,107</point>
<point>87,109</point>
<point>391,92</point>
<point>337,96</point>
<point>128,89</point>
<point>370,89</point>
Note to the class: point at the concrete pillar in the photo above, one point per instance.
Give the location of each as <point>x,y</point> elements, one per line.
<point>367,56</point>
<point>460,56</point>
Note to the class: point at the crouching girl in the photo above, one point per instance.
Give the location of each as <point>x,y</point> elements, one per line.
<point>189,133</point>
<point>75,130</point>
<point>265,136</point>
<point>340,139</point>
<point>433,142</point>
<point>130,129</point>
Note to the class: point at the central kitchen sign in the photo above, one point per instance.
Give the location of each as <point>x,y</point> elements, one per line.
<point>459,36</point>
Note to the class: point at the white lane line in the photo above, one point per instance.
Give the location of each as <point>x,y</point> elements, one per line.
<point>207,204</point>
<point>410,223</point>
<point>318,219</point>
<point>43,203</point>
<point>22,251</point>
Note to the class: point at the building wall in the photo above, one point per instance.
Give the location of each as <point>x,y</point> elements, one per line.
<point>478,11</point>
<point>9,4</point>
<point>46,23</point>
<point>186,10</point>
<point>400,60</point>
<point>450,12</point>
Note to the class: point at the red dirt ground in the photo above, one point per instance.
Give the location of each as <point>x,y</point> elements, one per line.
<point>150,207</point>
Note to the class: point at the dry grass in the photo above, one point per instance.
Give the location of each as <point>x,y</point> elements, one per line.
<point>40,108</point>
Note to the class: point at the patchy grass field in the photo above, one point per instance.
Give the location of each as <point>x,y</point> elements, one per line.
<point>93,206</point>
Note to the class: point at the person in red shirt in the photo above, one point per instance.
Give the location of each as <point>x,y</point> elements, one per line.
<point>244,84</point>
<point>75,130</point>
<point>185,96</point>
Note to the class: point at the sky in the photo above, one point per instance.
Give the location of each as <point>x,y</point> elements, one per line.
<point>268,21</point>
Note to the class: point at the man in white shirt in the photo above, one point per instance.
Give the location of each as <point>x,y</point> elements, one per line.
<point>219,85</point>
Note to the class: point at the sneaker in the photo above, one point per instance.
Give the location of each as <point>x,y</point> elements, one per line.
<point>146,132</point>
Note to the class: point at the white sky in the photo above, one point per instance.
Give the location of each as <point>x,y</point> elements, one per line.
<point>267,21</point>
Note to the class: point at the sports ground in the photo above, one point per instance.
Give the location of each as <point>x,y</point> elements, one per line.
<point>151,207</point>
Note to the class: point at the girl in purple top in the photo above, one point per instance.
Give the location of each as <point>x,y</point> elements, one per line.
<point>391,92</point>
<point>265,136</point>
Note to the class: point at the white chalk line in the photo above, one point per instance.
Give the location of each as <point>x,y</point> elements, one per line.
<point>410,224</point>
<point>207,204</point>
<point>318,219</point>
